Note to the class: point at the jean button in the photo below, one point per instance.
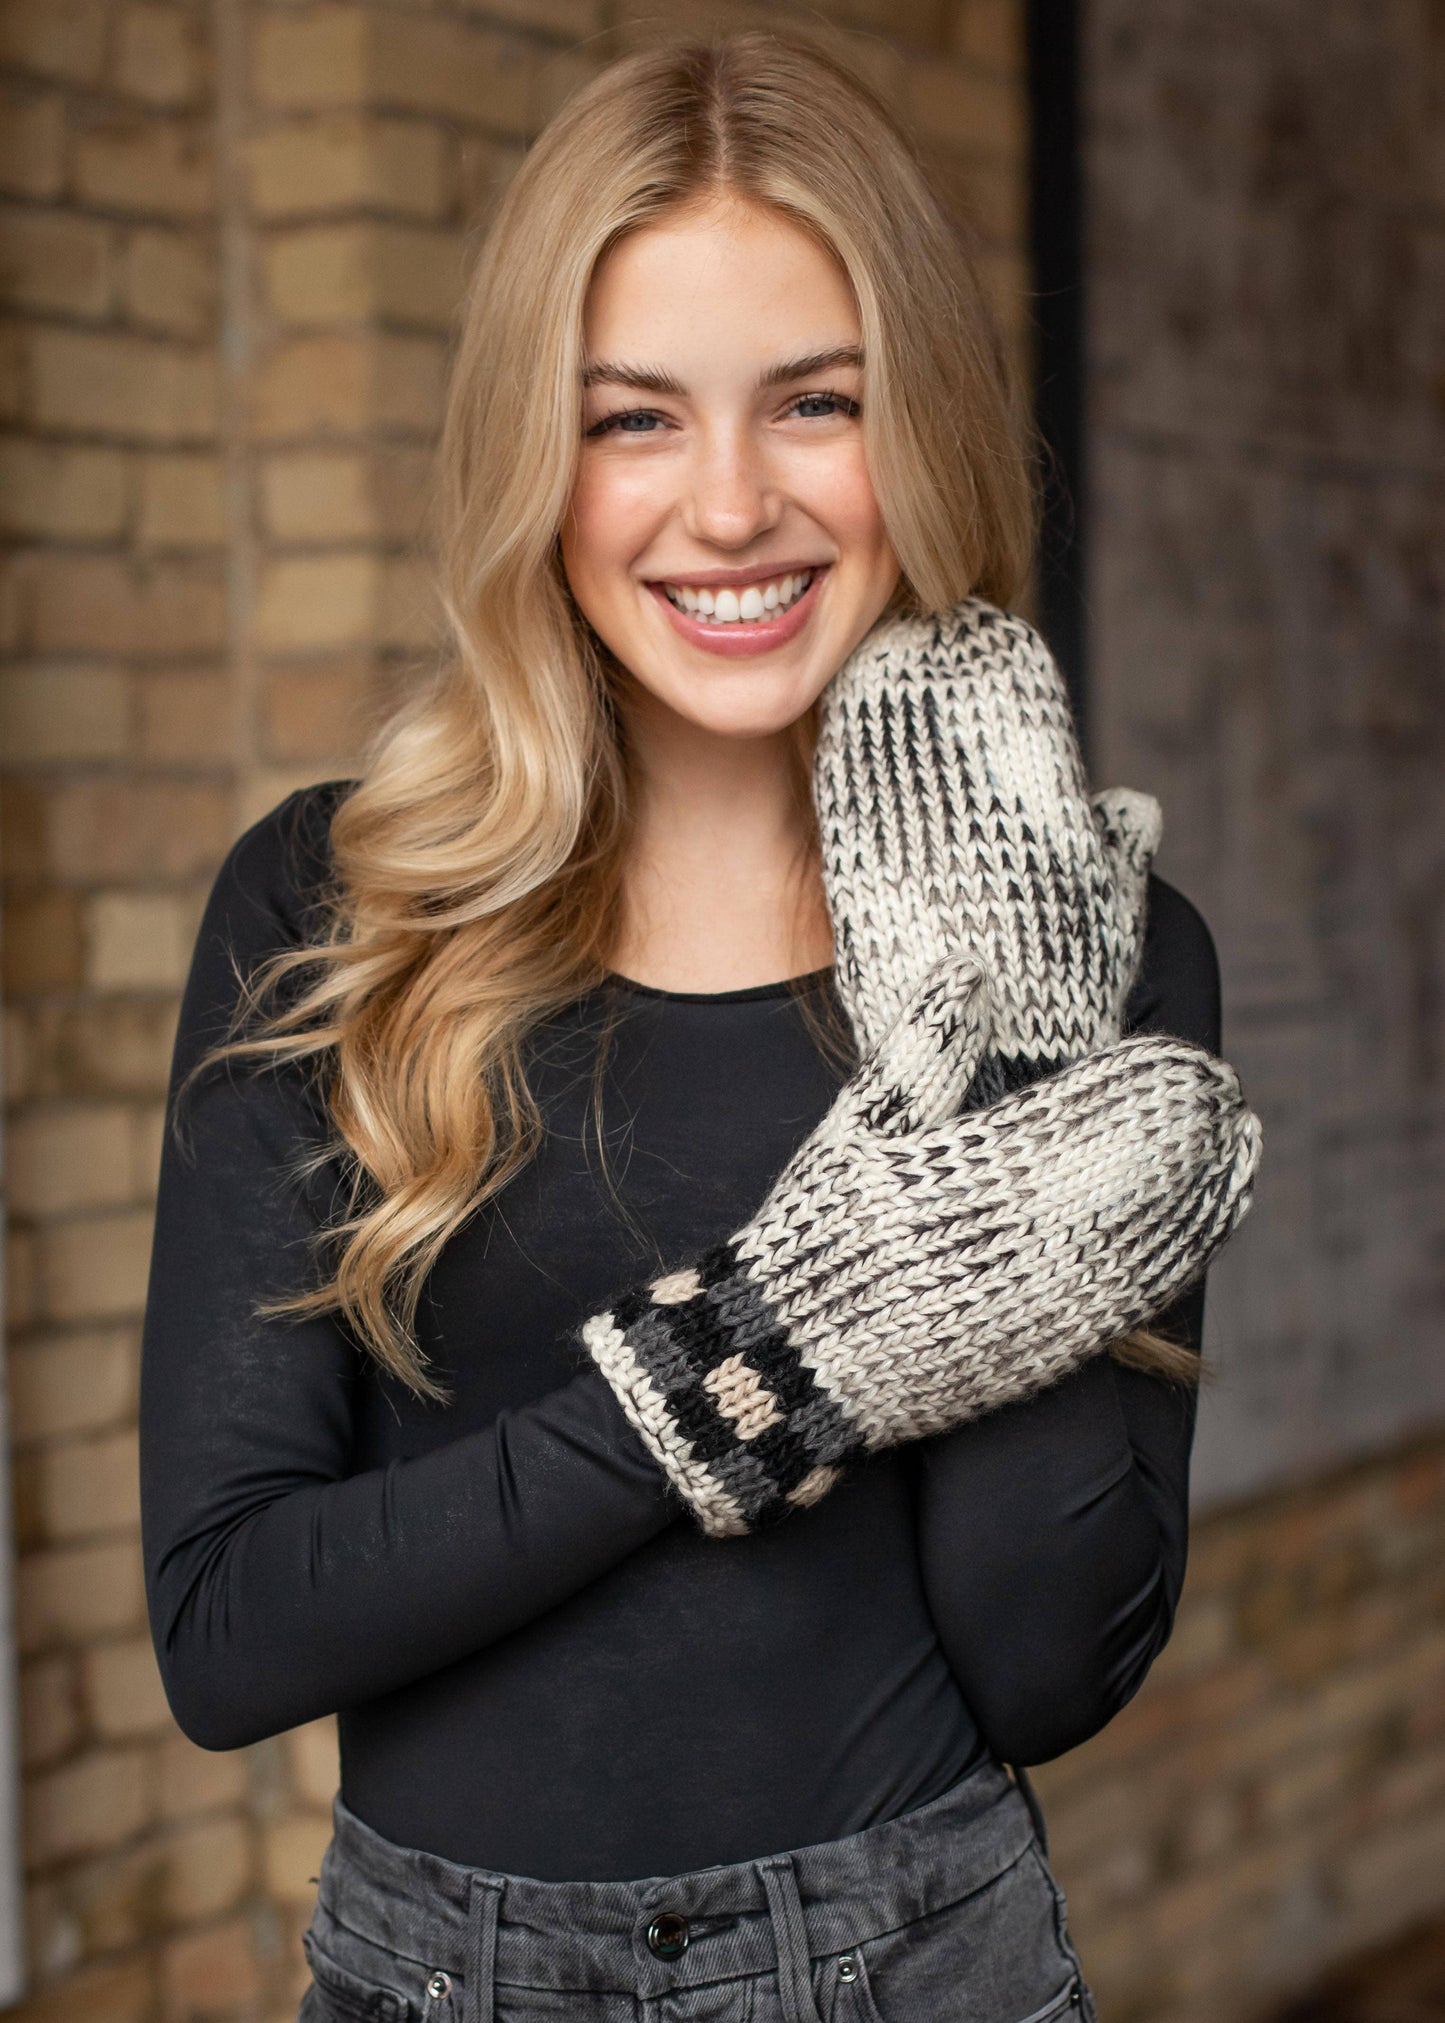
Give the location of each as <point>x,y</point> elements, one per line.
<point>847,1968</point>
<point>667,1935</point>
<point>438,1984</point>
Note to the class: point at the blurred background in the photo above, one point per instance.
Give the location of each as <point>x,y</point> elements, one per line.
<point>231,245</point>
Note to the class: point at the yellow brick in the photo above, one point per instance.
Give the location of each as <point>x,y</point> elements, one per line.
<point>184,718</point>
<point>408,612</point>
<point>559,17</point>
<point>43,947</point>
<point>51,261</point>
<point>346,161</point>
<point>74,1385</point>
<point>21,1276</point>
<point>311,601</point>
<point>485,167</point>
<point>318,59</point>
<point>138,164</point>
<point>49,1710</point>
<point>51,492</point>
<point>315,712</point>
<point>346,495</point>
<point>123,386</point>
<point>138,941</point>
<point>422,64</point>
<point>317,386</point>
<point>318,495</point>
<point>107,604</point>
<point>123,1691</point>
<point>32,142</point>
<point>90,1487</point>
<point>84,1807</point>
<point>157,58</point>
<point>169,281</point>
<point>105,830</point>
<point>70,1157</point>
<point>967,109</point>
<point>318,274</point>
<point>194,1966</point>
<point>292,1855</point>
<point>341,56</point>
<point>94,1267</point>
<point>315,1767</point>
<point>74,1593</point>
<point>62,38</point>
<point>191,1780</point>
<point>123,1994</point>
<point>182,501</point>
<point>114,1046</point>
<point>208,1870</point>
<point>559,74</point>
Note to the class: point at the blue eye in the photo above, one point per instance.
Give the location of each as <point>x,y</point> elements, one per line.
<point>613,424</point>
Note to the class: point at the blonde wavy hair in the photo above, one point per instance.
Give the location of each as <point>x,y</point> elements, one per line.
<point>477,863</point>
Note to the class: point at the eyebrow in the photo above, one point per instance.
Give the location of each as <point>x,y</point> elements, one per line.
<point>652,379</point>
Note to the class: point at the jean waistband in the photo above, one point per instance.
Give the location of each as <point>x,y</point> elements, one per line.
<point>595,1934</point>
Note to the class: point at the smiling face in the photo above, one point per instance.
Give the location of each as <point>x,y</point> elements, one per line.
<point>723,537</point>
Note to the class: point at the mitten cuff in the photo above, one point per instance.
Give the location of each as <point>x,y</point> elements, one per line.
<point>707,1373</point>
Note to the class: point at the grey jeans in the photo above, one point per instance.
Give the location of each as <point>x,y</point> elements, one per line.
<point>947,1913</point>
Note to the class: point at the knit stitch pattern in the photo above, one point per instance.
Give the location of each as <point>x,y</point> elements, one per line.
<point>1005,1185</point>
<point>912,1268</point>
<point>953,813</point>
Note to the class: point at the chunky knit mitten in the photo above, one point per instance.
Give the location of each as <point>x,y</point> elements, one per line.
<point>953,814</point>
<point>913,1267</point>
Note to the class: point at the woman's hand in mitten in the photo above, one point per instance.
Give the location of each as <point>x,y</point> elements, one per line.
<point>954,814</point>
<point>913,1267</point>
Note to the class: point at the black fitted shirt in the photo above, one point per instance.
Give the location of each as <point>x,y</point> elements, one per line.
<point>540,1664</point>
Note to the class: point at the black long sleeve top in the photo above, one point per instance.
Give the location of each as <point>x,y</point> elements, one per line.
<point>539,1663</point>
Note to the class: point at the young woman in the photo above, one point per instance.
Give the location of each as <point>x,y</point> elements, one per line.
<point>627,1318</point>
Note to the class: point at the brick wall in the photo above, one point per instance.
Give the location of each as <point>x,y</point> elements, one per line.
<point>231,244</point>
<point>1273,1798</point>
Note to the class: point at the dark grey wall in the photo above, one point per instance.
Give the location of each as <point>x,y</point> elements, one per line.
<point>1266,578</point>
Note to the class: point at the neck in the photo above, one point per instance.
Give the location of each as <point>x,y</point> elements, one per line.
<point>719,890</point>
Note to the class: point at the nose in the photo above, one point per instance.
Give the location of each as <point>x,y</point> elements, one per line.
<point>731,496</point>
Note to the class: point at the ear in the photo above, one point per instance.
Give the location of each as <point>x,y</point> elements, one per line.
<point>917,1073</point>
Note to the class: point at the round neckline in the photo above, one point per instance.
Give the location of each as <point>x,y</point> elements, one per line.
<point>748,994</point>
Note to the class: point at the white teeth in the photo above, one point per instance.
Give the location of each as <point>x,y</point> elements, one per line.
<point>730,607</point>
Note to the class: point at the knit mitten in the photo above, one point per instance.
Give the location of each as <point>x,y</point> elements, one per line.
<point>953,813</point>
<point>913,1267</point>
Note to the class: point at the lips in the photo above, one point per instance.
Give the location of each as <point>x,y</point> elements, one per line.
<point>746,603</point>
<point>733,638</point>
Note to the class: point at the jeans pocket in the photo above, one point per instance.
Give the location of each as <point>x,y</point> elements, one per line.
<point>338,1993</point>
<point>996,1955</point>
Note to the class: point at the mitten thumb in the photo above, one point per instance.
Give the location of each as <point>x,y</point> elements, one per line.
<point>916,1074</point>
<point>1129,826</point>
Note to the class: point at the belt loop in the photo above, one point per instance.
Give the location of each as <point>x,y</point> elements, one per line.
<point>484,1904</point>
<point>790,1937</point>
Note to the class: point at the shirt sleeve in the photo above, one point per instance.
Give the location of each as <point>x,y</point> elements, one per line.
<point>1054,1530</point>
<point>281,1584</point>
